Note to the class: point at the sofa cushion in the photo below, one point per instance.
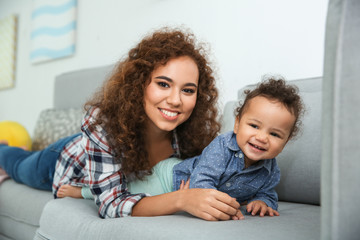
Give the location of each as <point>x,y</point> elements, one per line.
<point>79,219</point>
<point>228,117</point>
<point>301,159</point>
<point>86,80</point>
<point>20,209</point>
<point>54,124</point>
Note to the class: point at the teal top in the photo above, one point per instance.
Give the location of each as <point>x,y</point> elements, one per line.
<point>159,182</point>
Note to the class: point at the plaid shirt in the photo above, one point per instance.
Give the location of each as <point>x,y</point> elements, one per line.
<point>88,160</point>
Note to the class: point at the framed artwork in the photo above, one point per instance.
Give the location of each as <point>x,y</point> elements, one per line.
<point>8,29</point>
<point>53,29</point>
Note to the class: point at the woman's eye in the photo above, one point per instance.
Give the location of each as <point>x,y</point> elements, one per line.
<point>189,90</point>
<point>163,84</point>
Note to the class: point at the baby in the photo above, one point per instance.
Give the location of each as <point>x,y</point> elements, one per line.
<point>242,162</point>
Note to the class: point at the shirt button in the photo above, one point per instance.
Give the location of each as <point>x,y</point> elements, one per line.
<point>228,184</point>
<point>236,155</point>
<point>241,155</point>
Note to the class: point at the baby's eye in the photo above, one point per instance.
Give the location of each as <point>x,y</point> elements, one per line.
<point>163,84</point>
<point>275,135</point>
<point>253,126</point>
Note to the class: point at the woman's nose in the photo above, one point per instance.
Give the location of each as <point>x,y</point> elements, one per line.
<point>174,98</point>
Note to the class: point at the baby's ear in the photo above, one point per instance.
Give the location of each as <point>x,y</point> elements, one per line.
<point>289,138</point>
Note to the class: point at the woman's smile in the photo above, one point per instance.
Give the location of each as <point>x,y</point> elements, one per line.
<point>168,114</point>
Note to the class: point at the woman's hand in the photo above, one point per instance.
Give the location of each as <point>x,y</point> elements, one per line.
<point>238,215</point>
<point>260,207</point>
<point>211,204</point>
<point>208,204</point>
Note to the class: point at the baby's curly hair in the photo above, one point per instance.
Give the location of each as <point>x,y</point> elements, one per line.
<point>121,100</point>
<point>279,90</point>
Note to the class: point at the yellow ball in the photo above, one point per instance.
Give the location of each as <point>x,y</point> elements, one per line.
<point>15,134</point>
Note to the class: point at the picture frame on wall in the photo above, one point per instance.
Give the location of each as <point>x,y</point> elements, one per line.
<point>53,30</point>
<point>8,38</point>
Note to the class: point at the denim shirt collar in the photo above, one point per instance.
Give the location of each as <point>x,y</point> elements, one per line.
<point>233,146</point>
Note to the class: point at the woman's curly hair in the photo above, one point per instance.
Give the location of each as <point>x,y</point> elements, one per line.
<point>279,90</point>
<point>121,100</point>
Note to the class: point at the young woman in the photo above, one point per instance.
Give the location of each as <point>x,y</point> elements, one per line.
<point>159,102</point>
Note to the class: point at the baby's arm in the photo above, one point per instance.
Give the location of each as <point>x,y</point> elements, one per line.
<point>211,165</point>
<point>265,200</point>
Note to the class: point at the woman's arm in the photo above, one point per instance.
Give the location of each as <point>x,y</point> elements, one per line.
<point>208,204</point>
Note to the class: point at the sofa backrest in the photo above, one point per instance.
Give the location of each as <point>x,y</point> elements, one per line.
<point>73,89</point>
<point>300,160</point>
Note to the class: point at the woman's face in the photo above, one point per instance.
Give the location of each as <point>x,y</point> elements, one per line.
<point>170,97</point>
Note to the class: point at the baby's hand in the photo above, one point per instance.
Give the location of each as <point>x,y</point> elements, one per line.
<point>184,185</point>
<point>259,207</point>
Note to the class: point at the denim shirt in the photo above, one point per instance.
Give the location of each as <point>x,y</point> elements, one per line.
<point>221,166</point>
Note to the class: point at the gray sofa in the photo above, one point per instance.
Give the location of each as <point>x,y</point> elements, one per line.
<point>27,213</point>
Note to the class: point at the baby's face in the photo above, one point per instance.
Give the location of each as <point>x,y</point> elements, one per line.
<point>263,130</point>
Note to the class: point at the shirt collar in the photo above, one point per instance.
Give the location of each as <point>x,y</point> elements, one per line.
<point>235,147</point>
<point>232,142</point>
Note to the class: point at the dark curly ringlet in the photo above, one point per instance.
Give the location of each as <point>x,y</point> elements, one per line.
<point>279,90</point>
<point>121,100</point>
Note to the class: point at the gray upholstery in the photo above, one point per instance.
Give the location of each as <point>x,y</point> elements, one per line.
<point>20,210</point>
<point>23,209</point>
<point>341,130</point>
<point>301,159</point>
<point>77,219</point>
<point>70,93</point>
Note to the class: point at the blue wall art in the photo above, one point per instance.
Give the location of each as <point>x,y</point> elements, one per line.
<point>53,29</point>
